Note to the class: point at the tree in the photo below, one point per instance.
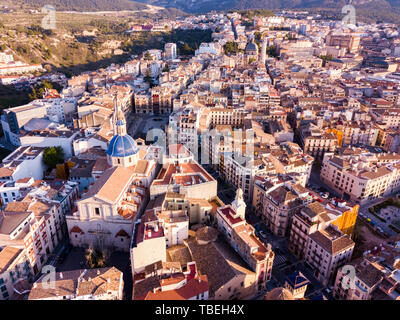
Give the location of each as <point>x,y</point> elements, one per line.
<point>187,50</point>
<point>166,68</point>
<point>252,60</point>
<point>271,51</point>
<point>38,90</point>
<point>53,156</point>
<point>231,47</point>
<point>95,258</point>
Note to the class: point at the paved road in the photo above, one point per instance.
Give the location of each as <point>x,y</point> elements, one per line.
<point>315,181</point>
<point>285,263</point>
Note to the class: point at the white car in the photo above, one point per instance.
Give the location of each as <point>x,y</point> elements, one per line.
<point>262,234</point>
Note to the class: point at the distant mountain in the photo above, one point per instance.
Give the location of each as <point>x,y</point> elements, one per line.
<point>379,8</point>
<point>88,5</point>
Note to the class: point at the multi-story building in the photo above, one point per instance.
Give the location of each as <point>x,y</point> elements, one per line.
<point>14,265</point>
<point>189,179</point>
<point>23,162</point>
<point>328,249</point>
<point>316,142</point>
<point>279,203</point>
<point>14,119</point>
<point>170,51</point>
<point>34,225</point>
<point>148,244</point>
<point>173,284</point>
<point>350,42</point>
<point>104,215</point>
<point>374,276</point>
<point>232,223</point>
<point>361,176</point>
<point>87,284</point>
<point>318,236</point>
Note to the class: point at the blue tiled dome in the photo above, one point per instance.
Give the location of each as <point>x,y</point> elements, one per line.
<point>122,146</point>
<point>251,47</point>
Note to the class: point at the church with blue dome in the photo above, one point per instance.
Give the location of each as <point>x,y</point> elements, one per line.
<point>122,150</point>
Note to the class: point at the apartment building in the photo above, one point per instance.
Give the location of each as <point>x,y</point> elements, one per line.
<point>170,51</point>
<point>240,235</point>
<point>189,179</point>
<point>23,162</point>
<point>198,210</point>
<point>34,225</point>
<point>356,176</point>
<point>241,170</point>
<point>320,234</point>
<point>87,284</point>
<point>172,283</point>
<point>328,249</point>
<point>375,275</point>
<point>279,203</point>
<point>148,244</point>
<point>349,41</point>
<point>316,142</point>
<point>14,266</point>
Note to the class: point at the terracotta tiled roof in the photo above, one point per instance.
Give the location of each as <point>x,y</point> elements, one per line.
<point>122,233</point>
<point>7,257</point>
<point>111,184</point>
<point>76,229</point>
<point>95,282</point>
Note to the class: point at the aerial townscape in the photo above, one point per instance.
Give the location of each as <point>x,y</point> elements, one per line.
<point>221,155</point>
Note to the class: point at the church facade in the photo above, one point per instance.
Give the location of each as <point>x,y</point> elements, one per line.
<point>105,214</point>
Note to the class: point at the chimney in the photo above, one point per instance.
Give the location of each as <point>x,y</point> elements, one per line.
<point>109,280</point>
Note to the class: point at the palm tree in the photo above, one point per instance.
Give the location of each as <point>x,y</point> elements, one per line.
<point>95,258</point>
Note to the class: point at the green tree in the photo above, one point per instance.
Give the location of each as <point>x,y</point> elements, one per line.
<point>231,47</point>
<point>38,90</point>
<point>95,258</point>
<point>271,51</point>
<point>53,156</point>
<point>166,68</point>
<point>187,50</point>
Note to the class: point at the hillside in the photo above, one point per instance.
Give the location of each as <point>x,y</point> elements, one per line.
<point>366,10</point>
<point>88,5</point>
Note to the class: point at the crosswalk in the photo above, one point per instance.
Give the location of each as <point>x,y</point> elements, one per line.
<point>279,260</point>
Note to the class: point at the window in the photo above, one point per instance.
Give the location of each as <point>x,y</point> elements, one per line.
<point>97,210</point>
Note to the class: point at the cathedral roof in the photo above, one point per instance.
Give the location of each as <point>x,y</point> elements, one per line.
<point>122,146</point>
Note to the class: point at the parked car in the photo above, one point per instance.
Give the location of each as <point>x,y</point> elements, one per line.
<point>324,195</point>
<point>262,234</point>
<point>327,291</point>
